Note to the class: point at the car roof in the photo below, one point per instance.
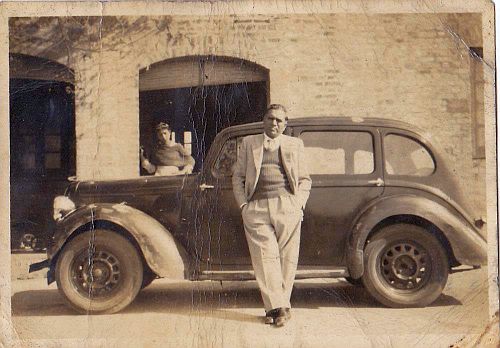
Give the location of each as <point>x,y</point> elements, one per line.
<point>337,121</point>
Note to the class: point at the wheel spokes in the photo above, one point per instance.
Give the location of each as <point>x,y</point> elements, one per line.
<point>404,265</point>
<point>96,273</point>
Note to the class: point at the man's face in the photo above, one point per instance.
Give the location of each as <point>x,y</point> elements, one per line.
<point>164,135</point>
<point>274,123</point>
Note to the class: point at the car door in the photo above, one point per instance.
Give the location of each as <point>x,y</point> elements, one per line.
<point>216,232</point>
<point>346,172</point>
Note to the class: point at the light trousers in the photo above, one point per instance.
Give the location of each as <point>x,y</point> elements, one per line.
<point>272,229</point>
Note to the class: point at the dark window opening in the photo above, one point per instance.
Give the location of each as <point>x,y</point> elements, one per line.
<point>42,129</point>
<point>197,114</point>
<point>42,155</point>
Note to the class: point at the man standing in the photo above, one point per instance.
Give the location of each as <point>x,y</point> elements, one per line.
<point>271,185</point>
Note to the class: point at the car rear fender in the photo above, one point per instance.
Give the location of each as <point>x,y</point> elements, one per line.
<point>468,246</point>
<point>163,254</point>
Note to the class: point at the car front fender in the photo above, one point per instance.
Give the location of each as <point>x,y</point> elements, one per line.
<point>163,254</point>
<point>468,246</point>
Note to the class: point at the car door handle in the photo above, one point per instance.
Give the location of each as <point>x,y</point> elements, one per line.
<point>203,187</point>
<point>378,182</point>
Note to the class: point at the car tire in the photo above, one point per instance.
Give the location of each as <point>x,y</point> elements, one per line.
<point>99,272</point>
<point>405,266</point>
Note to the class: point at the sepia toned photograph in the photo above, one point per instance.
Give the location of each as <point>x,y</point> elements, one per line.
<point>249,174</point>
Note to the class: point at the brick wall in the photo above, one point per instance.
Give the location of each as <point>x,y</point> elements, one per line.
<point>410,67</point>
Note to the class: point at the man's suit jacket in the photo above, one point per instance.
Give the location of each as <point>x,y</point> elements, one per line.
<point>248,164</point>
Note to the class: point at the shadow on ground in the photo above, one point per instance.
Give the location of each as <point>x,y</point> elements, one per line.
<point>212,299</point>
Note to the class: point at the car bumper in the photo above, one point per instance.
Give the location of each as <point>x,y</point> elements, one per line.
<point>39,265</point>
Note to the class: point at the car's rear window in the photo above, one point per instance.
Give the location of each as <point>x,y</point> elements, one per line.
<point>338,152</point>
<point>406,156</point>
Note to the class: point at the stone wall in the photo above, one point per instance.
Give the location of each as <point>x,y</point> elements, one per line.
<point>410,67</point>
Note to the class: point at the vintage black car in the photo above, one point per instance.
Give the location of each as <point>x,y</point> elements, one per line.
<point>384,212</point>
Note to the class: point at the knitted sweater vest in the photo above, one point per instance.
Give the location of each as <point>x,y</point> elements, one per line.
<point>273,181</point>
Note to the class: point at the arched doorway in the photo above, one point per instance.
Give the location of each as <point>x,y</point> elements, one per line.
<point>42,143</point>
<point>199,96</point>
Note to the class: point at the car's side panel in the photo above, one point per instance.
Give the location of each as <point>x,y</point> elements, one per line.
<point>161,251</point>
<point>469,247</point>
<point>327,220</point>
<point>335,199</point>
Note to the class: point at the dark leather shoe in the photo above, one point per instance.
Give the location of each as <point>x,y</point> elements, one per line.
<point>271,316</point>
<point>282,317</point>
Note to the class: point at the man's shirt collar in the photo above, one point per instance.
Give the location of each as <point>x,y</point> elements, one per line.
<point>270,143</point>
<point>277,139</point>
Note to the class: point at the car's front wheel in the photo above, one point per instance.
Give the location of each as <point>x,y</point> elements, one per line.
<point>98,272</point>
<point>405,266</point>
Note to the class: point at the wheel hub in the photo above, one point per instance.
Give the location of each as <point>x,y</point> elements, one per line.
<point>404,265</point>
<point>100,272</point>
<point>97,274</point>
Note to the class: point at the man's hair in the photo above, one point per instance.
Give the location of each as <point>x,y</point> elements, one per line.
<point>277,107</point>
<point>163,125</point>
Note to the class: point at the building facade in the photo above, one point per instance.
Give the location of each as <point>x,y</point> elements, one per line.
<point>203,73</point>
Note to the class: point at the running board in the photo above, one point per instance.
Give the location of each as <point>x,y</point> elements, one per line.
<point>322,273</point>
<point>303,273</point>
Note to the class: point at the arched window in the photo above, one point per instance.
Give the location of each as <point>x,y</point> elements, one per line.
<point>42,136</point>
<point>198,96</point>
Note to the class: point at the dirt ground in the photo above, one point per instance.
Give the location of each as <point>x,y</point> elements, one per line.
<point>326,313</point>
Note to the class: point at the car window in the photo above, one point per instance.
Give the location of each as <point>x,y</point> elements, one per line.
<point>406,156</point>
<point>338,152</point>
<point>224,165</point>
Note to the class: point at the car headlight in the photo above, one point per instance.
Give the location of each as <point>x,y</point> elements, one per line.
<point>62,206</point>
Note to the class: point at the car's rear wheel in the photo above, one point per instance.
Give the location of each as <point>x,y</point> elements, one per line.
<point>98,272</point>
<point>405,266</point>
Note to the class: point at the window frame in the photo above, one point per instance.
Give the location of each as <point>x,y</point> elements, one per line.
<point>320,180</point>
<point>215,173</point>
<point>345,152</point>
<point>477,103</point>
<point>55,92</point>
<point>217,146</point>
<point>420,142</point>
